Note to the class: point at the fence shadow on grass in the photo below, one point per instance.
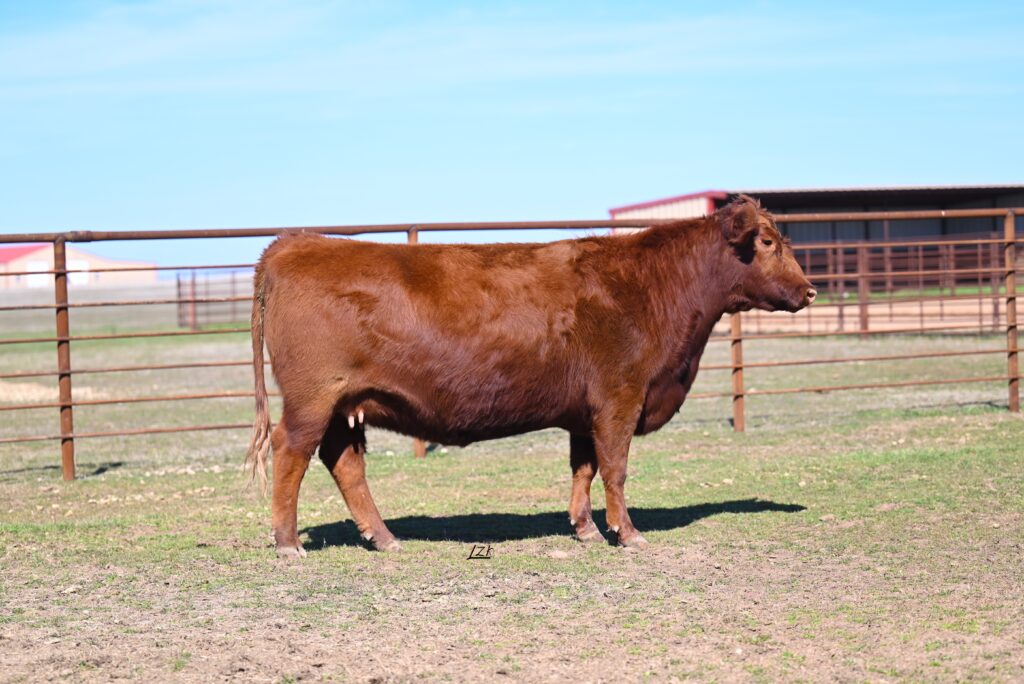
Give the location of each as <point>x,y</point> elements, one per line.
<point>484,528</point>
<point>84,470</point>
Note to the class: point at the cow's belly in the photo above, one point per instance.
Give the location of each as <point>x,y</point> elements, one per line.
<point>463,393</point>
<point>460,421</point>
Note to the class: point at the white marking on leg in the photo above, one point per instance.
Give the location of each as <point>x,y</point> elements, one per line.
<point>614,528</point>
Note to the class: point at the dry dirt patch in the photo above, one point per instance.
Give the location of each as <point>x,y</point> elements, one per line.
<point>38,393</point>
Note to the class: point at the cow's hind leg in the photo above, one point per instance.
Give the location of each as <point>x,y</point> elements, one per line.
<point>343,451</point>
<point>294,439</point>
<point>583,461</point>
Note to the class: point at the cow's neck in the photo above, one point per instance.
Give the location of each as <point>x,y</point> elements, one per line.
<point>695,274</point>
<point>690,277</point>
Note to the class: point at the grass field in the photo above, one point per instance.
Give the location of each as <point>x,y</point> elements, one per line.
<point>860,536</point>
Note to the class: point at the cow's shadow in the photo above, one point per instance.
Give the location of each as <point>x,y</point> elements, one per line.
<point>487,528</point>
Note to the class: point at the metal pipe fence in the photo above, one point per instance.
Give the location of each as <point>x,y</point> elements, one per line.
<point>890,287</point>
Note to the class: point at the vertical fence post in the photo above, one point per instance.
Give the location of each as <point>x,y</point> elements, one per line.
<point>419,447</point>
<point>830,269</point>
<point>920,285</point>
<point>1010,260</point>
<point>887,264</point>
<point>193,324</point>
<point>178,296</point>
<point>863,286</point>
<point>981,288</point>
<point>942,278</point>
<point>953,275</point>
<point>60,298</point>
<point>739,421</point>
<point>234,290</point>
<point>993,265</point>
<point>206,298</point>
<point>807,272</point>
<point>841,284</point>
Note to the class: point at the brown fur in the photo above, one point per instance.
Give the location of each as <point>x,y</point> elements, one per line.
<point>459,343</point>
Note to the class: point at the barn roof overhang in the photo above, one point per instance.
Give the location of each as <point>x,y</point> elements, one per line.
<point>878,197</point>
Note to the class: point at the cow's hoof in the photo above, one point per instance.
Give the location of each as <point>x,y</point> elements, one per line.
<point>291,551</point>
<point>390,545</point>
<point>635,542</point>
<point>589,534</point>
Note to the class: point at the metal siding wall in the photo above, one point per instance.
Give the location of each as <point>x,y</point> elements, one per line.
<point>1014,200</point>
<point>809,232</point>
<point>820,231</point>
<point>919,228</point>
<point>876,230</point>
<point>688,208</point>
<point>973,225</point>
<point>848,231</point>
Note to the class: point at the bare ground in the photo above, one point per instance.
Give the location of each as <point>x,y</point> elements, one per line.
<point>892,551</point>
<point>858,536</point>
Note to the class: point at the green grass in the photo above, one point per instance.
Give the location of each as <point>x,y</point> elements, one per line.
<point>849,536</point>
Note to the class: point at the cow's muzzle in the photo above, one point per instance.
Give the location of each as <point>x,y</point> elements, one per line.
<point>800,299</point>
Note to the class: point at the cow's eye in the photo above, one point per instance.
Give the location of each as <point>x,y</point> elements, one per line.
<point>767,242</point>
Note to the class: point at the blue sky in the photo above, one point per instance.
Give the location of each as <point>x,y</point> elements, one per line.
<point>187,113</point>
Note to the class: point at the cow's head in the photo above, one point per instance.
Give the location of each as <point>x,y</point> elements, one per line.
<point>769,276</point>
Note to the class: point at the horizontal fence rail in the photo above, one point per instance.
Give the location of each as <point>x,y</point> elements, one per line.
<point>866,289</point>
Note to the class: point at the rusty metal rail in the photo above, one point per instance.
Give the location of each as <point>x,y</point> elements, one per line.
<point>135,400</point>
<point>127,433</point>
<point>127,302</point>
<point>985,263</point>
<point>130,369</point>
<point>121,336</point>
<point>851,359</point>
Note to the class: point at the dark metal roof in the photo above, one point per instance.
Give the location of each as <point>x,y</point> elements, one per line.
<point>853,198</point>
<point>880,197</point>
<point>998,187</point>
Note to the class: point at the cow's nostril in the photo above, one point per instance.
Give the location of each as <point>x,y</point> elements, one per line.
<point>811,294</point>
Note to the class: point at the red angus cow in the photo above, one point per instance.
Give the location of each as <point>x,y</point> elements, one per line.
<point>454,344</point>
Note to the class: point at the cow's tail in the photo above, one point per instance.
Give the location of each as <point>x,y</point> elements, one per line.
<point>259,446</point>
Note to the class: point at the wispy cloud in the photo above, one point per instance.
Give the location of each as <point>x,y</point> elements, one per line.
<point>120,38</point>
<point>265,47</point>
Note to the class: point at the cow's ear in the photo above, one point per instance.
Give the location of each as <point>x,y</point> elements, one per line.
<point>739,222</point>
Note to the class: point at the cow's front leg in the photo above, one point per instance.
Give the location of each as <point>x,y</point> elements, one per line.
<point>583,461</point>
<point>613,432</point>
